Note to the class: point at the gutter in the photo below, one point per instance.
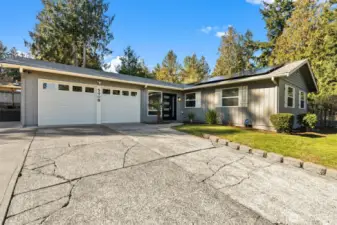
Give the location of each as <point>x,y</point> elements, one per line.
<point>21,68</point>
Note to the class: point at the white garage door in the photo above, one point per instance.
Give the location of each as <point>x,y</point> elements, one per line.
<point>120,105</point>
<point>65,103</point>
<point>61,103</point>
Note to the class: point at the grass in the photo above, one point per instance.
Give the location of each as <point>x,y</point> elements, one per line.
<point>320,148</point>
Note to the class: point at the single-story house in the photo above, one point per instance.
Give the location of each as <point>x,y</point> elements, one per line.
<point>57,94</point>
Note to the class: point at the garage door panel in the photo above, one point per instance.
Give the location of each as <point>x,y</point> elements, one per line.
<point>120,108</point>
<point>56,107</point>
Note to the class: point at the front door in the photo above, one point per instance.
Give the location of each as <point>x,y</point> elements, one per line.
<point>169,106</point>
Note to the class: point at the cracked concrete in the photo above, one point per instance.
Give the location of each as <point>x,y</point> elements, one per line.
<point>153,174</point>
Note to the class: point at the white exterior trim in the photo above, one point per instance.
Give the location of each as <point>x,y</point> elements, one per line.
<point>299,99</point>
<point>239,97</point>
<point>286,96</point>
<point>194,100</point>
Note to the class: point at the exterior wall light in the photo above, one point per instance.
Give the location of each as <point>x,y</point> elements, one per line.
<point>179,99</point>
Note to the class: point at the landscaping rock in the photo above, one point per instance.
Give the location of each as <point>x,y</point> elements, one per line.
<point>206,136</point>
<point>273,157</point>
<point>321,170</point>
<point>331,173</point>
<point>245,148</point>
<point>223,142</point>
<point>213,138</point>
<point>258,152</point>
<point>293,162</point>
<point>234,145</point>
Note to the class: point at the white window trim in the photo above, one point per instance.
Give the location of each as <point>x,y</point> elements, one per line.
<point>195,100</point>
<point>299,99</point>
<point>161,101</point>
<point>239,98</point>
<point>286,96</point>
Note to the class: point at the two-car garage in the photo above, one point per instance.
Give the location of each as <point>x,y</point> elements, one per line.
<point>65,103</point>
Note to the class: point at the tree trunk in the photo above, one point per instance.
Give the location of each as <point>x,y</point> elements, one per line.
<point>75,54</point>
<point>84,55</point>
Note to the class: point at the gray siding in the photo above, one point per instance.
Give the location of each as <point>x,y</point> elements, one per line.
<point>299,83</point>
<point>29,114</point>
<point>262,102</point>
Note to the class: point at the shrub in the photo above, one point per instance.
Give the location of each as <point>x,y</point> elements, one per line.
<point>283,122</point>
<point>310,120</point>
<point>211,116</point>
<point>191,116</point>
<point>300,119</point>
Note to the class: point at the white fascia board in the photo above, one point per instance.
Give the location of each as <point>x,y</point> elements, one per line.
<point>5,65</point>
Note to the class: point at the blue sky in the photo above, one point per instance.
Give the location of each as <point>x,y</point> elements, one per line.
<point>152,27</point>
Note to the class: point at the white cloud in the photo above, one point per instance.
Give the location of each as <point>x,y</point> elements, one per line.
<point>257,2</point>
<point>24,54</point>
<point>208,29</point>
<point>112,65</point>
<point>219,34</point>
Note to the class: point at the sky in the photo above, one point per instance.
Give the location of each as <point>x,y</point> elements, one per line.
<point>151,27</point>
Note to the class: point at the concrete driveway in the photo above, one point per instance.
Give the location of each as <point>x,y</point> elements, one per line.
<point>151,174</point>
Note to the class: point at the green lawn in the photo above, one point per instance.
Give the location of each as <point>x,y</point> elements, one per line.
<point>312,147</point>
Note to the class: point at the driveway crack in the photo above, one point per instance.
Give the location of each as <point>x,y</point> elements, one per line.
<point>221,167</point>
<point>126,152</point>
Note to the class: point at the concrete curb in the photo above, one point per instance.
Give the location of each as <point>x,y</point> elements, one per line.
<point>273,157</point>
<point>12,183</point>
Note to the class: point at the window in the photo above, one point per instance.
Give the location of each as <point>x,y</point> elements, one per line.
<point>133,93</point>
<point>63,87</point>
<point>125,93</point>
<point>190,100</point>
<point>77,89</point>
<point>154,98</point>
<point>49,86</point>
<point>230,97</point>
<point>106,91</point>
<point>290,97</point>
<point>302,102</point>
<point>116,92</point>
<point>89,89</point>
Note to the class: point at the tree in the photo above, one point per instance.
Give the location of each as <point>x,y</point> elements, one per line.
<point>3,50</point>
<point>132,64</point>
<point>75,32</point>
<point>194,69</point>
<point>311,33</point>
<point>275,15</point>
<point>169,69</point>
<point>236,53</point>
<point>294,42</point>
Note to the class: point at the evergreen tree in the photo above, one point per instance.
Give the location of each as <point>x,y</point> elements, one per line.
<point>74,32</point>
<point>236,53</point>
<point>294,42</point>
<point>275,15</point>
<point>3,50</point>
<point>169,70</point>
<point>194,69</point>
<point>311,33</point>
<point>132,64</point>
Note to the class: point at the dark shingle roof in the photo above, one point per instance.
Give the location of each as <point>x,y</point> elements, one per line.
<point>96,73</point>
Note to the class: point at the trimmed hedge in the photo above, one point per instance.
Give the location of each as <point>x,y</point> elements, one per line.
<point>211,116</point>
<point>283,122</point>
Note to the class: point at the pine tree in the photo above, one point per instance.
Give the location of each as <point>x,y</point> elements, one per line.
<point>75,32</point>
<point>3,50</point>
<point>236,53</point>
<point>170,69</point>
<point>275,15</point>
<point>132,64</point>
<point>194,70</point>
<point>294,42</point>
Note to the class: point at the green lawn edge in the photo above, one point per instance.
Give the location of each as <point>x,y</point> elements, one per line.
<point>310,147</point>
